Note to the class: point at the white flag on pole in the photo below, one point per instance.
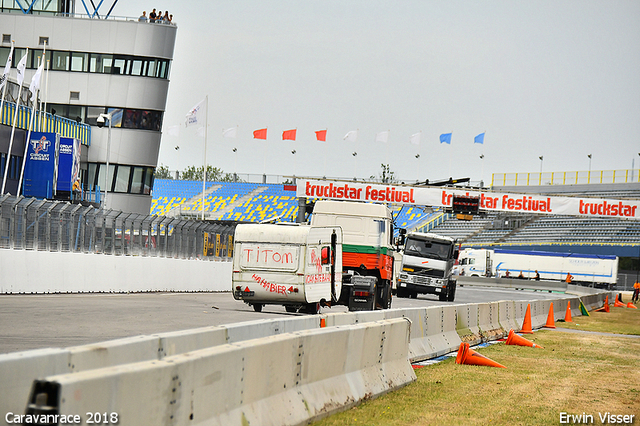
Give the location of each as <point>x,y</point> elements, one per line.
<point>231,132</point>
<point>196,114</point>
<point>35,82</point>
<point>382,136</point>
<point>415,138</point>
<point>21,67</point>
<point>7,69</point>
<point>351,136</point>
<point>173,130</point>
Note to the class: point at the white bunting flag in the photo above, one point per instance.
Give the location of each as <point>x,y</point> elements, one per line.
<point>415,138</point>
<point>231,132</point>
<point>351,136</point>
<point>382,137</point>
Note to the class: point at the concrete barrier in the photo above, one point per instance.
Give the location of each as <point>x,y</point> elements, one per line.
<point>467,324</point>
<point>488,321</point>
<point>434,332</point>
<point>18,370</point>
<point>507,316</point>
<point>105,273</point>
<point>303,376</point>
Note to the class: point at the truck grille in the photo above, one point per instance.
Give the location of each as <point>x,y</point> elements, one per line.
<point>421,280</point>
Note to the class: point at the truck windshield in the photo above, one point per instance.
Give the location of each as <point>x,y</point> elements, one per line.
<point>430,249</point>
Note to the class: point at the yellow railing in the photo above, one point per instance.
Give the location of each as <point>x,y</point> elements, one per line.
<point>565,178</point>
<point>45,122</point>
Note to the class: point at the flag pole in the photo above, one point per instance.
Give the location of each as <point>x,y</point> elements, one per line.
<point>26,144</point>
<point>13,128</point>
<point>6,81</point>
<point>204,172</point>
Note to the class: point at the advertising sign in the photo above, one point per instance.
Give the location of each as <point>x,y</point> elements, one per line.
<point>488,201</point>
<point>68,163</point>
<point>41,165</point>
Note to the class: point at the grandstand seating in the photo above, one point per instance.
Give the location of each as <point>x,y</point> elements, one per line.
<point>543,230</point>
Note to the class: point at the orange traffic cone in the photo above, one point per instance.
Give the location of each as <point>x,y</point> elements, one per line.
<point>567,316</point>
<point>468,356</point>
<point>605,308</point>
<point>630,305</point>
<point>526,325</point>
<point>618,304</point>
<point>514,339</point>
<point>550,322</point>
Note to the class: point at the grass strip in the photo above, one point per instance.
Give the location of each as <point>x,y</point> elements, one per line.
<point>576,373</point>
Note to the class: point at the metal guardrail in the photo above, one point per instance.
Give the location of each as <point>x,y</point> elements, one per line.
<point>33,224</point>
<point>566,178</point>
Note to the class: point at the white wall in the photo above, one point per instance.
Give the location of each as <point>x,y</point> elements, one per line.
<point>25,271</point>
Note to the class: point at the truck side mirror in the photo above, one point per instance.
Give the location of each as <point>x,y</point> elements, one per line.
<point>456,253</point>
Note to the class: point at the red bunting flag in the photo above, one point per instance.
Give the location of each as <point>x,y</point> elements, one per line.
<point>321,135</point>
<point>260,134</point>
<point>289,135</point>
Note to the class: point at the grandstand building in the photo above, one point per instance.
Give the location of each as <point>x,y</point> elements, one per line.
<point>98,65</point>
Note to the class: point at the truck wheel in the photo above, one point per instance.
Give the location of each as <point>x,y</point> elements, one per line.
<point>414,294</point>
<point>402,292</point>
<point>257,307</point>
<point>451,294</point>
<point>385,300</point>
<point>442,296</point>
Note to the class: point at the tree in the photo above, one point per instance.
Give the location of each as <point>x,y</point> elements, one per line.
<point>162,172</point>
<point>386,175</point>
<point>213,174</point>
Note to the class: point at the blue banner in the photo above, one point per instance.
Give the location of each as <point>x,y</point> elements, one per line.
<point>445,138</point>
<point>68,163</point>
<point>479,139</point>
<point>41,165</point>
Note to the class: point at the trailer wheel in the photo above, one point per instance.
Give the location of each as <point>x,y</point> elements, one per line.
<point>312,308</point>
<point>257,307</point>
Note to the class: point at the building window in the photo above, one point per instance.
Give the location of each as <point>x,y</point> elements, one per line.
<point>122,178</point>
<point>6,38</point>
<point>100,63</point>
<point>43,40</point>
<point>60,61</point>
<point>79,61</point>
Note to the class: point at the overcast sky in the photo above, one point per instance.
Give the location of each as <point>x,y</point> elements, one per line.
<point>558,79</point>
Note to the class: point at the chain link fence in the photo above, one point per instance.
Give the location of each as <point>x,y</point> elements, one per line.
<point>33,224</point>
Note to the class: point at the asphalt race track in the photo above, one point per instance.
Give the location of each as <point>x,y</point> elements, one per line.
<point>63,320</point>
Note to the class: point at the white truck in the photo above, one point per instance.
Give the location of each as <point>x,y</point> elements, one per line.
<point>585,269</point>
<point>367,251</point>
<point>298,266</point>
<point>427,265</point>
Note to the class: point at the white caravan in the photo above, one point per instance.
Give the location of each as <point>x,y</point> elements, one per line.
<point>298,266</point>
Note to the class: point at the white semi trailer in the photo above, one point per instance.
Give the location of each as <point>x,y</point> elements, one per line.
<point>585,269</point>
